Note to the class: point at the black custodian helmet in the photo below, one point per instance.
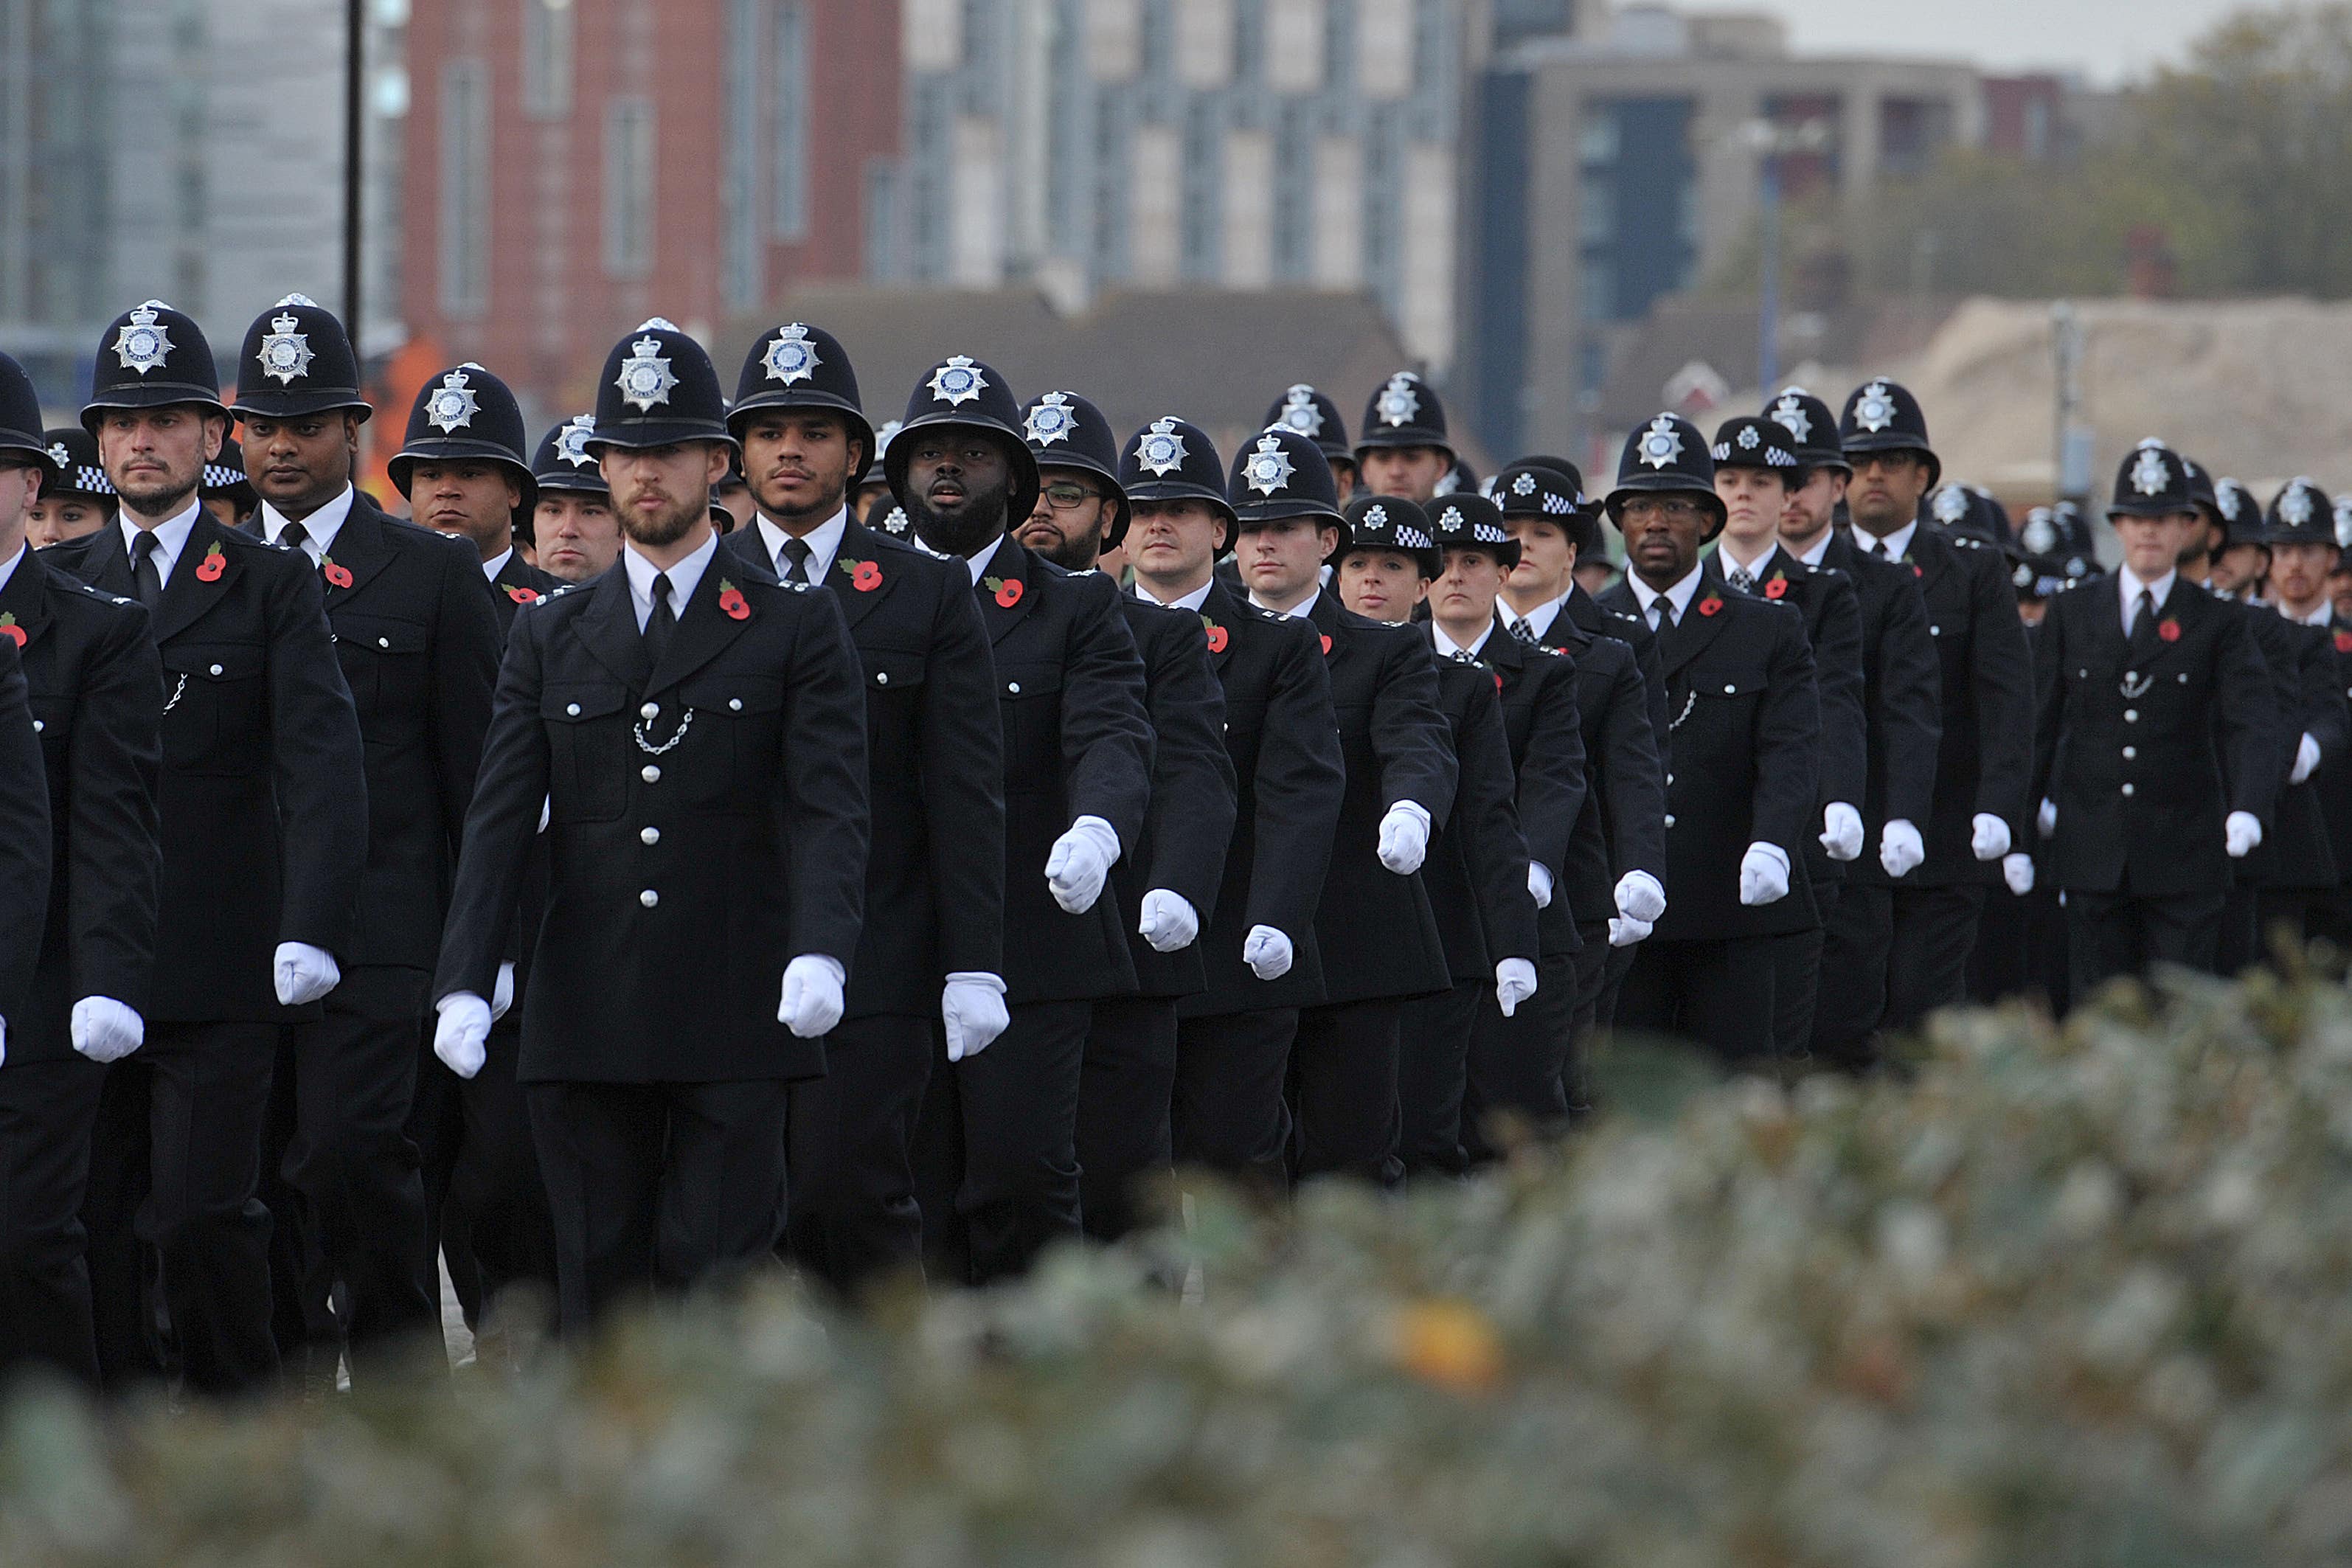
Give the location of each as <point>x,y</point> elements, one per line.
<point>152,357</point>
<point>298,360</point>
<point>800,366</point>
<point>1405,412</point>
<point>1881,416</point>
<point>466,413</point>
<point>1667,457</point>
<point>1064,430</point>
<point>960,390</point>
<point>1317,418</point>
<point>658,388</point>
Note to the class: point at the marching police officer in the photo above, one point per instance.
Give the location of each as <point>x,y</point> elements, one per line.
<point>2298,581</point>
<point>1741,788</point>
<point>78,501</point>
<point>692,730</point>
<point>263,812</point>
<point>1376,936</point>
<point>2241,560</point>
<point>1258,950</point>
<point>996,1166</point>
<point>419,644</point>
<point>576,536</point>
<point>79,848</point>
<point>1171,877</point>
<point>1403,448</point>
<point>1314,416</point>
<point>931,953</point>
<point>461,468</point>
<point>2156,747</point>
<point>1986,694</point>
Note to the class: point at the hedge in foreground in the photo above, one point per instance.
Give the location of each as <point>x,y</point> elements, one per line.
<point>2067,1299</point>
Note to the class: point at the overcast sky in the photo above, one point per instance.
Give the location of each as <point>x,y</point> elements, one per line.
<point>2108,40</point>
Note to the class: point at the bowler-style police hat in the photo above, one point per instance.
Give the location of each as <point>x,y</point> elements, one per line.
<point>1667,457</point>
<point>800,366</point>
<point>1064,430</point>
<point>1552,490</point>
<point>298,360</point>
<point>152,357</point>
<point>466,414</point>
<point>1472,523</point>
<point>658,388</point>
<point>1405,412</point>
<point>74,451</point>
<point>963,391</point>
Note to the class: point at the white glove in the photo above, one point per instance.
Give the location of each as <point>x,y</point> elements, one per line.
<point>106,1030</point>
<point>1900,848</point>
<point>304,973</point>
<point>1624,931</point>
<point>1268,952</point>
<point>2017,870</point>
<point>1763,875</point>
<point>502,992</point>
<point>972,1009</point>
<point>2307,757</point>
<point>1081,859</point>
<point>1842,831</point>
<point>458,1038</point>
<point>812,1001</point>
<point>546,811</point>
<point>1405,838</point>
<point>1515,981</point>
<point>1539,883</point>
<point>2045,819</point>
<point>1169,920</point>
<point>2243,833</point>
<point>1641,899</point>
<point>1991,838</point>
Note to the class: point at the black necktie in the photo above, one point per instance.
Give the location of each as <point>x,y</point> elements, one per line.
<point>796,550</point>
<point>2143,628</point>
<point>145,572</point>
<point>1666,608</point>
<point>294,536</point>
<point>1878,550</point>
<point>662,623</point>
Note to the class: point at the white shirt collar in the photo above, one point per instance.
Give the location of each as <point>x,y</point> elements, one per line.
<point>2324,616</point>
<point>498,563</point>
<point>1192,601</point>
<point>824,543</point>
<point>1753,568</point>
<point>1539,620</point>
<point>684,578</point>
<point>1447,647</point>
<point>1679,596</point>
<point>2128,586</point>
<point>1819,550</point>
<point>978,564</point>
<point>1896,542</point>
<point>318,529</point>
<point>1298,612</point>
<point>8,567</point>
<point>171,536</point>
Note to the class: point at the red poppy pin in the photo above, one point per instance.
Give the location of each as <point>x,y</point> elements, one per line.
<point>1006,589</point>
<point>1918,571</point>
<point>1710,605</point>
<point>2170,630</point>
<point>731,600</point>
<point>11,630</point>
<point>2344,642</point>
<point>1217,635</point>
<point>210,568</point>
<point>864,576</point>
<point>1327,642</point>
<point>1498,680</point>
<point>1778,588</point>
<point>336,576</point>
<point>519,595</point>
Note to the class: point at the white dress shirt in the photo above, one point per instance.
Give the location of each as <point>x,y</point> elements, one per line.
<point>2324,616</point>
<point>1298,612</point>
<point>1813,556</point>
<point>823,544</point>
<point>1679,597</point>
<point>684,578</point>
<point>2129,586</point>
<point>1447,647</point>
<point>1727,559</point>
<point>1539,620</point>
<point>1896,542</point>
<point>171,537</point>
<point>1192,601</point>
<point>8,567</point>
<point>498,563</point>
<point>978,564</point>
<point>318,529</point>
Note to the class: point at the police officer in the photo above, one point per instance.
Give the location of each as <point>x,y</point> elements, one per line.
<point>1756,470</point>
<point>227,490</point>
<point>931,953</point>
<point>2156,747</point>
<point>578,536</point>
<point>1258,950</point>
<point>874,484</point>
<point>1129,1082</point>
<point>78,501</point>
<point>1985,694</point>
<point>461,468</point>
<point>1402,447</point>
<point>1314,416</point>
<point>263,805</point>
<point>1742,785</point>
<point>2241,560</point>
<point>996,1165</point>
<point>86,839</point>
<point>1377,938</point>
<point>419,644</point>
<point>692,728</point>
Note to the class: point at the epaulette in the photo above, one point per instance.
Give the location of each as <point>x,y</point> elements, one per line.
<point>1264,614</point>
<point>554,593</point>
<point>100,594</point>
<point>1966,542</point>
<point>1628,618</point>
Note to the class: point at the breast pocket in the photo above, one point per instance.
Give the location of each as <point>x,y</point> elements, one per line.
<point>216,708</point>
<point>1029,700</point>
<point>589,750</point>
<point>736,739</point>
<point>53,721</point>
<point>383,661</point>
<point>892,670</point>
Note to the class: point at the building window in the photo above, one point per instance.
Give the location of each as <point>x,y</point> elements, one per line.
<point>1111,151</point>
<point>1067,162</point>
<point>464,124</point>
<point>1293,192</point>
<point>547,37</point>
<point>1597,287</point>
<point>1204,163</point>
<point>926,193</point>
<point>628,187</point>
<point>1384,174</point>
<point>792,127</point>
<point>1596,211</point>
<point>884,247</point>
<point>740,252</point>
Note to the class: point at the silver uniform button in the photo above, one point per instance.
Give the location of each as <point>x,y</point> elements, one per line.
<point>650,773</point>
<point>650,711</point>
<point>2131,754</point>
<point>572,709</point>
<point>881,677</point>
<point>649,834</point>
<point>734,705</point>
<point>649,898</point>
<point>1731,691</point>
<point>39,727</point>
<point>2127,789</point>
<point>1935,631</point>
<point>216,670</point>
<point>2131,715</point>
<point>1013,687</point>
<point>1669,819</point>
<point>383,642</point>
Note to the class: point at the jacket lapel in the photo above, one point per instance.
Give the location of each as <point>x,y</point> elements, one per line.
<point>702,631</point>
<point>608,629</point>
<point>359,549</point>
<point>1005,605</point>
<point>1696,628</point>
<point>24,601</point>
<point>108,564</point>
<point>861,575</point>
<point>188,595</point>
<point>1221,611</point>
<point>1326,617</point>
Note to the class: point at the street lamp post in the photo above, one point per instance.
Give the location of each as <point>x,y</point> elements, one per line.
<point>1770,139</point>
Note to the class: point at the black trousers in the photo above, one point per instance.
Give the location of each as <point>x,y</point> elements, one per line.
<point>1432,1071</point>
<point>1797,975</point>
<point>2242,939</point>
<point>1523,1067</point>
<point>47,1110</point>
<point>2121,933</point>
<point>1592,965</point>
<point>849,1154</point>
<point>175,1165</point>
<point>1858,940</point>
<point>996,1159</point>
<point>348,1156</point>
<point>1126,1090</point>
<point>1228,1114</point>
<point>485,1202</point>
<point>1928,960</point>
<point>1718,993</point>
<point>658,1188</point>
<point>1343,1092</point>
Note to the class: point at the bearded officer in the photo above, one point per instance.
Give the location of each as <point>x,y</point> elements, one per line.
<point>1258,950</point>
<point>931,954</point>
<point>996,1164</point>
<point>1314,416</point>
<point>263,812</point>
<point>1403,448</point>
<point>1742,789</point>
<point>461,468</point>
<point>1129,1083</point>
<point>81,849</point>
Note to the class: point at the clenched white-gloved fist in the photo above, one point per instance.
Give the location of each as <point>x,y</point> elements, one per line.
<point>502,992</point>
<point>1989,836</point>
<point>106,1030</point>
<point>1624,931</point>
<point>1841,831</point>
<point>1268,952</point>
<point>1763,875</point>
<point>2242,834</point>
<point>1169,922</point>
<point>459,1037</point>
<point>1539,883</point>
<point>1640,898</point>
<point>303,974</point>
<point>972,1009</point>
<point>1405,838</point>
<point>1081,860</point>
<point>2045,818</point>
<point>2307,757</point>
<point>812,1000</point>
<point>1900,848</point>
<point>2017,870</point>
<point>1515,981</point>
